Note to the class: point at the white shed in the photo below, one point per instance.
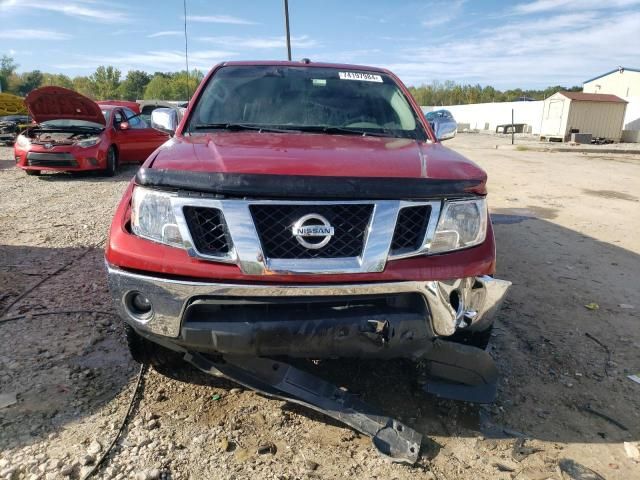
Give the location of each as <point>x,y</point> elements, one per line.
<point>564,113</point>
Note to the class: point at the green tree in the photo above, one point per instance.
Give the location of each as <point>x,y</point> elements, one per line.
<point>29,81</point>
<point>132,88</point>
<point>7,68</point>
<point>107,81</point>
<point>86,86</point>
<point>183,88</point>
<point>159,88</point>
<point>56,79</point>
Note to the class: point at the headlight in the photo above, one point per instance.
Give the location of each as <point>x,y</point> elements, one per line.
<point>89,142</point>
<point>463,223</point>
<point>22,141</point>
<point>152,217</point>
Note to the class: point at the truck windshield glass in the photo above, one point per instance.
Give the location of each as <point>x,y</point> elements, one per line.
<point>312,99</point>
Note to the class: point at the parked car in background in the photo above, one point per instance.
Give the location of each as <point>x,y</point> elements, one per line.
<point>74,133</point>
<point>11,126</point>
<point>442,123</point>
<point>133,106</point>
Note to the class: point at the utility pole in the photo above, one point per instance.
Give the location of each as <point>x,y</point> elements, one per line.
<point>286,26</point>
<point>513,129</point>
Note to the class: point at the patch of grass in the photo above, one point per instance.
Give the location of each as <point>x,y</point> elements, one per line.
<point>522,148</point>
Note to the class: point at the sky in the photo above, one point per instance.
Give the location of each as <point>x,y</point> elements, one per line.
<point>526,44</point>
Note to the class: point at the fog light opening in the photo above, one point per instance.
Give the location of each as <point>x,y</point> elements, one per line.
<point>139,306</point>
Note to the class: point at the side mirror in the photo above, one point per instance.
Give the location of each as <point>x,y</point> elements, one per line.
<point>444,130</point>
<point>165,119</point>
<point>124,126</point>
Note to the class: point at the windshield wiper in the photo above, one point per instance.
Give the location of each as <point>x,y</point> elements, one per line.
<point>240,126</point>
<point>331,130</point>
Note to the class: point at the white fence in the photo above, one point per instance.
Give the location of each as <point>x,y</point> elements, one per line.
<point>485,116</point>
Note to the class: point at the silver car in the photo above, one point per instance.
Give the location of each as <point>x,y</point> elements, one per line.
<point>442,123</point>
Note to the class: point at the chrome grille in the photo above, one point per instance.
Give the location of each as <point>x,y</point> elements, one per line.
<point>208,230</point>
<point>410,230</point>
<point>274,224</point>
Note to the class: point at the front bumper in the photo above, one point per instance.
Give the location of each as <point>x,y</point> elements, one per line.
<point>60,159</point>
<point>192,314</point>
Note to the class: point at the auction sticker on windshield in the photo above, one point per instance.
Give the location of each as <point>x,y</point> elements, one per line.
<point>364,77</point>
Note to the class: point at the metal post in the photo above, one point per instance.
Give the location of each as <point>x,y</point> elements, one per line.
<point>286,26</point>
<point>513,128</point>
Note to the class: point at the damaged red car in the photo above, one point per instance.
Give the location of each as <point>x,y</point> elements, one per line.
<point>73,133</point>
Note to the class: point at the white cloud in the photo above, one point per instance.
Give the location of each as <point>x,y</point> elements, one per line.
<point>550,51</point>
<point>303,41</point>
<point>219,19</point>
<point>73,8</point>
<point>442,12</point>
<point>33,34</point>
<point>166,33</point>
<point>539,6</point>
<point>155,60</point>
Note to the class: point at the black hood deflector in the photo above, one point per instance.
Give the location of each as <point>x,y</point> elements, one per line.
<point>303,186</point>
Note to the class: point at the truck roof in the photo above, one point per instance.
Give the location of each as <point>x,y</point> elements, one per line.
<point>304,63</point>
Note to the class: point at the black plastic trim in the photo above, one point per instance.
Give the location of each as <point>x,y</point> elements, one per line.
<point>303,186</point>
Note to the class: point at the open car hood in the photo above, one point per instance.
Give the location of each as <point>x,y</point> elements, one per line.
<point>57,103</point>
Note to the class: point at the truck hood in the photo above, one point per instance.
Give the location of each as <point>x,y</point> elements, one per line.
<point>314,155</point>
<point>57,103</point>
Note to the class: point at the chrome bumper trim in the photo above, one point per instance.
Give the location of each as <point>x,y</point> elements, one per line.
<point>479,298</point>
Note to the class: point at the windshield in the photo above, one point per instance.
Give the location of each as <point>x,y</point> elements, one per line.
<point>324,100</point>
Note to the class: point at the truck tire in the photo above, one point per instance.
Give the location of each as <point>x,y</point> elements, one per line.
<point>147,352</point>
<point>478,339</point>
<point>112,162</point>
<point>34,173</point>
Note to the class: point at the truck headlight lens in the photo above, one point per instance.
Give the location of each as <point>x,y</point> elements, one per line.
<point>88,142</point>
<point>22,141</point>
<point>463,223</point>
<point>152,217</point>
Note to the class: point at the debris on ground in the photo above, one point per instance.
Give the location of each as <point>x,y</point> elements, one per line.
<point>572,470</point>
<point>8,399</point>
<point>592,306</point>
<point>266,448</point>
<point>589,409</point>
<point>519,451</point>
<point>632,451</point>
<point>635,378</point>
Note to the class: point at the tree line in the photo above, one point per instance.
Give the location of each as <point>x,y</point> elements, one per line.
<point>106,83</point>
<point>451,93</point>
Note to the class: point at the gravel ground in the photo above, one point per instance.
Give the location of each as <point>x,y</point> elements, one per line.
<point>565,228</point>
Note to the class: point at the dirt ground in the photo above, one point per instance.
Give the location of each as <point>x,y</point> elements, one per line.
<point>567,233</point>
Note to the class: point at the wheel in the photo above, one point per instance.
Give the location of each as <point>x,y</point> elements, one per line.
<point>34,173</point>
<point>478,339</point>
<point>145,351</point>
<point>112,162</point>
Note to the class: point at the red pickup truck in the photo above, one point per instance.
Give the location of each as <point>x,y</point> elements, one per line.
<point>307,210</point>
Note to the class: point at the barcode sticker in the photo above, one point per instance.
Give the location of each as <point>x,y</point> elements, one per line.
<point>363,77</point>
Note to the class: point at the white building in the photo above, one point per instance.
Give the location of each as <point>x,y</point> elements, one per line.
<point>623,82</point>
